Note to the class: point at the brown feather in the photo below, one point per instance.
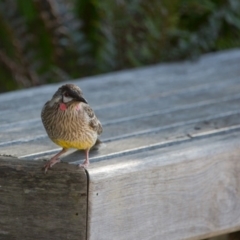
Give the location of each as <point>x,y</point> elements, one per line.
<point>94,123</point>
<point>78,123</point>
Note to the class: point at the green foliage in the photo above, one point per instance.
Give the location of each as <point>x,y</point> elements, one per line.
<point>49,41</point>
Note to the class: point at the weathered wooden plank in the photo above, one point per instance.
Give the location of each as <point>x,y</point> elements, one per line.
<point>204,93</point>
<point>34,205</point>
<point>34,129</point>
<point>161,121</point>
<point>186,191</point>
<point>165,79</point>
<point>157,138</point>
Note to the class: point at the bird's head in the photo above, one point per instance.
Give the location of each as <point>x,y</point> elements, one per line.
<point>69,93</point>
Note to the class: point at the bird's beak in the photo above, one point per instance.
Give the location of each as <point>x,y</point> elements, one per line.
<point>81,99</point>
<point>77,97</point>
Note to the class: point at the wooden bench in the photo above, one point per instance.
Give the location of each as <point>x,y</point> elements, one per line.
<point>169,169</point>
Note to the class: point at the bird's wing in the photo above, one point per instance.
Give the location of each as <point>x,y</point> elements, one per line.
<point>94,123</point>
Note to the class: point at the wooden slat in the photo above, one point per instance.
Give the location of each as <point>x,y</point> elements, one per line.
<point>179,192</point>
<point>34,205</point>
<point>159,137</point>
<point>147,124</point>
<point>34,129</point>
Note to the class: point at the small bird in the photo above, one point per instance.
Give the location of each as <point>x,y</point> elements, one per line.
<point>70,123</point>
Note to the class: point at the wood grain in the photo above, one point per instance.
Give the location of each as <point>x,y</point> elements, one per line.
<point>187,191</point>
<point>34,205</point>
<point>197,114</point>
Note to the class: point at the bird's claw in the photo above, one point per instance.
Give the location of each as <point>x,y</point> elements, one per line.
<point>49,164</point>
<point>46,167</point>
<point>84,165</point>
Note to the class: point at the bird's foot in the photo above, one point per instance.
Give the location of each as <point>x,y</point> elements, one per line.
<point>50,163</point>
<point>84,165</point>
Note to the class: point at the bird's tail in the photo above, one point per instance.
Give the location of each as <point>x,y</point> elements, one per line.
<point>98,144</point>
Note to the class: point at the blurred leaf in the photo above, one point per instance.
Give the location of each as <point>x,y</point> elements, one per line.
<point>50,41</point>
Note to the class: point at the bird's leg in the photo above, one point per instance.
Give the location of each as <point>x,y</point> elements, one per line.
<point>54,160</point>
<point>86,162</point>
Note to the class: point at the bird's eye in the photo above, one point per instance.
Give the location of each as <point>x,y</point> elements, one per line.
<point>66,94</point>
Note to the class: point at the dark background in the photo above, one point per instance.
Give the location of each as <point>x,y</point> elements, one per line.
<point>45,41</point>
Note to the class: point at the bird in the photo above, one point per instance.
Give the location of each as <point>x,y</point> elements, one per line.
<point>70,123</point>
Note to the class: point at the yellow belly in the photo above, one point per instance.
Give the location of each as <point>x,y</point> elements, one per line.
<point>75,144</point>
